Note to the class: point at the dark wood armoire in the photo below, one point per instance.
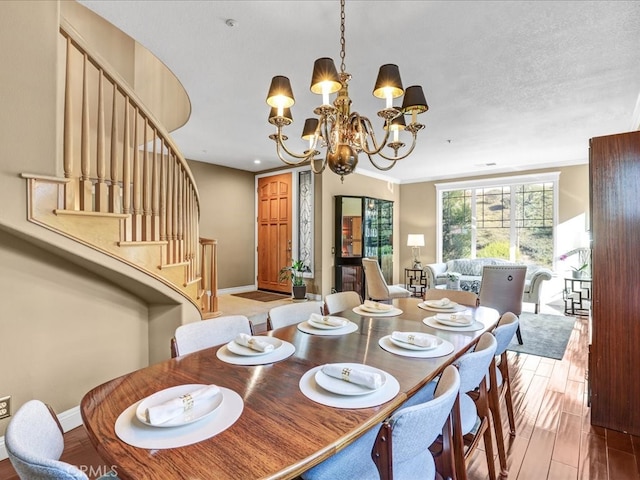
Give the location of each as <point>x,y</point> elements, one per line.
<point>614,359</point>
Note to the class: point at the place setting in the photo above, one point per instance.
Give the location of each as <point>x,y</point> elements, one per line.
<point>370,308</point>
<point>349,385</point>
<point>415,344</point>
<point>327,325</point>
<point>443,305</point>
<point>255,350</point>
<point>179,416</point>
<point>454,322</point>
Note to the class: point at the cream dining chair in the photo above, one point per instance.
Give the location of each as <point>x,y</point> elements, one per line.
<point>202,334</point>
<point>297,312</point>
<point>377,288</point>
<point>462,297</point>
<point>502,288</point>
<point>341,301</point>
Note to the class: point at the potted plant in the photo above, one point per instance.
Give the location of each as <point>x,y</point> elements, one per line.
<point>453,281</point>
<point>294,273</point>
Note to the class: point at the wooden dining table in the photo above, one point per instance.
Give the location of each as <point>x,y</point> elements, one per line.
<point>280,432</point>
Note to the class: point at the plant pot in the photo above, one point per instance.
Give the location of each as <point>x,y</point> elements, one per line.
<point>453,284</point>
<point>299,292</point>
<point>578,274</point>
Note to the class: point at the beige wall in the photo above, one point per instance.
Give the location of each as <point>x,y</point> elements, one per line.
<point>418,207</point>
<point>227,214</point>
<point>57,328</point>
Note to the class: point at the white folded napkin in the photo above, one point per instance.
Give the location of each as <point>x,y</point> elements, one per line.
<point>419,339</point>
<point>165,411</point>
<point>253,343</point>
<point>372,306</point>
<point>461,318</point>
<point>443,302</point>
<point>372,380</point>
<point>328,320</point>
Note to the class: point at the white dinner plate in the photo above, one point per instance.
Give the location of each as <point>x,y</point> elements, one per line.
<point>457,308</point>
<point>394,312</point>
<point>201,409</point>
<point>250,352</point>
<point>336,385</point>
<point>438,304</point>
<point>411,346</point>
<point>446,320</point>
<point>324,326</point>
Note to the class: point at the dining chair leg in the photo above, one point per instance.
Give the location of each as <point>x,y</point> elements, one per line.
<point>494,406</point>
<point>484,412</point>
<point>458,443</point>
<point>506,381</point>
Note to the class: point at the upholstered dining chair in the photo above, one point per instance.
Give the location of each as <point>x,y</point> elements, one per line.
<point>34,442</point>
<point>377,288</point>
<point>462,297</point>
<point>398,448</point>
<point>341,301</point>
<point>502,288</point>
<point>500,382</point>
<point>285,315</point>
<point>199,335</point>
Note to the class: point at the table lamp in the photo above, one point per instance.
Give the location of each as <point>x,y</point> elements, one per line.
<point>415,241</point>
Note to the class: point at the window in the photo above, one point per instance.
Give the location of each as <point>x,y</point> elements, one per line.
<point>512,218</point>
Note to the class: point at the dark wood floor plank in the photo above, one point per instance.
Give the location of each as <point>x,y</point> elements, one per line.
<point>622,465</point>
<point>619,441</point>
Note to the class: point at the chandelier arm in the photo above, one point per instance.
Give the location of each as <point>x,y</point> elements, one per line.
<point>365,144</point>
<point>384,169</point>
<point>394,159</point>
<point>313,167</point>
<point>324,122</point>
<point>307,155</point>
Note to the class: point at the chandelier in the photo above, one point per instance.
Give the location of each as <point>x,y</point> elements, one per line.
<point>343,133</point>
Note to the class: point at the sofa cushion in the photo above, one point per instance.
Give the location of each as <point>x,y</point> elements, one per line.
<point>473,267</point>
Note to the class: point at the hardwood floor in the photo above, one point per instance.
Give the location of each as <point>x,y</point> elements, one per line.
<point>554,439</point>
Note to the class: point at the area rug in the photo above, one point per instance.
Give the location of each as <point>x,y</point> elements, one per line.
<point>261,296</point>
<point>543,335</point>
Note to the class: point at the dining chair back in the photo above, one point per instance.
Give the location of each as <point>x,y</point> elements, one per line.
<point>500,382</point>
<point>397,448</point>
<point>377,288</point>
<point>34,443</point>
<point>472,421</point>
<point>341,301</point>
<point>502,288</point>
<point>285,315</point>
<point>202,334</point>
<point>462,297</point>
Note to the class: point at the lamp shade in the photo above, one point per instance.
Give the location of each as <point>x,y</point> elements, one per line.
<point>309,130</point>
<point>414,100</point>
<point>325,75</point>
<point>415,240</point>
<point>388,78</point>
<point>280,93</point>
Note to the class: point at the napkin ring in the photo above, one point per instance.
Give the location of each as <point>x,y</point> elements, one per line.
<point>411,338</point>
<point>251,342</point>
<point>345,374</point>
<point>187,401</point>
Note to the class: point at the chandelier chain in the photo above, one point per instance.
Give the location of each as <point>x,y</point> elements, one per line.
<point>342,41</point>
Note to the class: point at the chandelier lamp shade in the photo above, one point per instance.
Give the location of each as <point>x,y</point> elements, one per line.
<point>344,134</point>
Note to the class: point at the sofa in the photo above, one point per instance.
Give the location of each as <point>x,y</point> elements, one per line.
<point>470,274</point>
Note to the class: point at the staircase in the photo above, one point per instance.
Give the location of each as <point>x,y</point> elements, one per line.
<point>124,187</point>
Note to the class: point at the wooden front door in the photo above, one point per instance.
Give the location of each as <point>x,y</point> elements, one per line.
<point>274,231</point>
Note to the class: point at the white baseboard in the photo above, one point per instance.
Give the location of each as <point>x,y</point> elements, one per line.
<point>69,420</point>
<point>246,288</point>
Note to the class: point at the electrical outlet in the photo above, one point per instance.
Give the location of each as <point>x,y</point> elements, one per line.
<point>5,407</point>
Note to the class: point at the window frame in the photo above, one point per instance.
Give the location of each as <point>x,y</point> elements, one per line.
<point>511,181</point>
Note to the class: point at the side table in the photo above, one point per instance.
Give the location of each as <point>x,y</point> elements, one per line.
<point>576,291</point>
<point>415,281</point>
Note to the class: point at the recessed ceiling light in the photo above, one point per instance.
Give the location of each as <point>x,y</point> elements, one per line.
<point>231,22</point>
<point>256,161</point>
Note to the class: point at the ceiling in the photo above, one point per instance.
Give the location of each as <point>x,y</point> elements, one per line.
<point>510,85</point>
